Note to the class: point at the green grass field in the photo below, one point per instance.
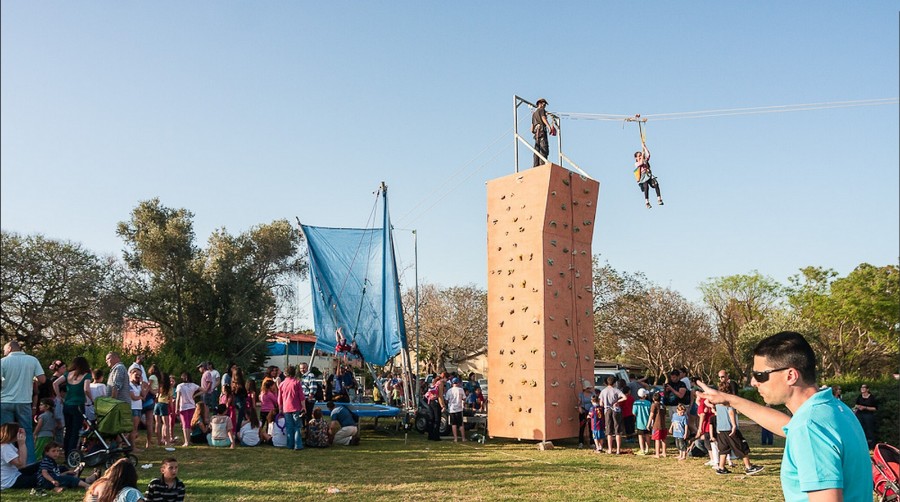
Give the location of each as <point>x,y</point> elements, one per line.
<point>388,465</point>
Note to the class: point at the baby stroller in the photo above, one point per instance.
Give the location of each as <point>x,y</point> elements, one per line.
<point>886,471</point>
<point>105,439</point>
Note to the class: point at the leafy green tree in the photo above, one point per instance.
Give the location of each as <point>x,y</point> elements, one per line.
<point>220,300</point>
<point>856,318</point>
<point>55,291</point>
<point>734,301</point>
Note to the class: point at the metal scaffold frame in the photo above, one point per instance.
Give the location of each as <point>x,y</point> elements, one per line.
<point>563,160</point>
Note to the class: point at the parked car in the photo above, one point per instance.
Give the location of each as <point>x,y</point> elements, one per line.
<point>484,387</point>
<point>601,372</point>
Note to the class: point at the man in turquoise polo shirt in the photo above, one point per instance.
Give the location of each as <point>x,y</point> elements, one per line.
<point>826,457</point>
<point>17,373</point>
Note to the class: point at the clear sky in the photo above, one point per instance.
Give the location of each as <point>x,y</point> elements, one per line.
<point>247,112</point>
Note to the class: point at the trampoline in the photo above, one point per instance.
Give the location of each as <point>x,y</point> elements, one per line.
<point>369,410</point>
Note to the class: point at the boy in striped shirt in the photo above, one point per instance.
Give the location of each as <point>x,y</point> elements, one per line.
<point>167,488</point>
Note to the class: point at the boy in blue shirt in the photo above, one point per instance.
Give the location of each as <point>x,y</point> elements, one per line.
<point>595,416</point>
<point>679,430</point>
<point>641,409</point>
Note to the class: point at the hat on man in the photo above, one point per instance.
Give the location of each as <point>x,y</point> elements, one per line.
<point>203,365</point>
<point>542,100</point>
<point>642,392</point>
<point>455,381</point>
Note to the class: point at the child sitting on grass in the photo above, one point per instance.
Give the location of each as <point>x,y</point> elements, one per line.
<point>658,424</point>
<point>317,430</point>
<point>51,478</point>
<point>679,430</point>
<point>222,432</point>
<point>167,488</point>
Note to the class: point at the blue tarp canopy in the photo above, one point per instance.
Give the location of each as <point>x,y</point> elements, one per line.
<point>355,287</point>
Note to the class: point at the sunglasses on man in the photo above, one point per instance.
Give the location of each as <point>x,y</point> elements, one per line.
<point>763,376</point>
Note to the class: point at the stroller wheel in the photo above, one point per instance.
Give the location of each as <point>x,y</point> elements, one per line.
<point>74,458</point>
<point>132,459</point>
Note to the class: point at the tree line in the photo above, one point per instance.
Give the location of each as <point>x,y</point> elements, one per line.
<point>222,300</point>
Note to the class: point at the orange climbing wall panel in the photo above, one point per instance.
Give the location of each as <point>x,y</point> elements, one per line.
<point>540,225</point>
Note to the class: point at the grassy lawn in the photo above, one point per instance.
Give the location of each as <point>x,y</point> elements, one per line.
<point>388,466</point>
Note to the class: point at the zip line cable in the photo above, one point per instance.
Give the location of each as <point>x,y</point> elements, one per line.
<point>734,111</point>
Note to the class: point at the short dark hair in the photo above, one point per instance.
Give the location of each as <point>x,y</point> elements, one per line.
<point>610,380</point>
<point>788,349</point>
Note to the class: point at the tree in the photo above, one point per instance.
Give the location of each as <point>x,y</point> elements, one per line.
<point>611,290</point>
<point>222,299</point>
<point>735,301</point>
<point>452,323</point>
<point>856,318</point>
<point>55,291</point>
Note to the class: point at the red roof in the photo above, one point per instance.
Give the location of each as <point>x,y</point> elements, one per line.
<point>306,336</point>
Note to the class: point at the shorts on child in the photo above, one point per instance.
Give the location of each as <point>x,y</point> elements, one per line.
<point>456,418</point>
<point>642,431</point>
<point>601,434</point>
<point>137,413</point>
<point>40,444</point>
<point>186,416</point>
<point>681,444</point>
<point>660,434</point>
<point>161,409</point>
<point>735,445</point>
<point>614,423</point>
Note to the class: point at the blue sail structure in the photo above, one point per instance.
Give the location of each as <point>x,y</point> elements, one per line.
<point>355,286</point>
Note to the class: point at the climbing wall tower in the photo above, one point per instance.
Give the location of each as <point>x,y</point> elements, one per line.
<point>540,309</point>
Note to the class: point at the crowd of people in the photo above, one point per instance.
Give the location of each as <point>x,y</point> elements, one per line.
<point>43,414</point>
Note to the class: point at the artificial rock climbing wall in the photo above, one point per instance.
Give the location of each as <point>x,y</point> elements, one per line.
<point>540,328</point>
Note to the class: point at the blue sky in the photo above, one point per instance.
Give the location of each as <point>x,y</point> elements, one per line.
<point>247,112</point>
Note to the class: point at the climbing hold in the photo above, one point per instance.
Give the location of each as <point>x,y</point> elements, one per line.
<point>524,283</point>
<point>525,337</point>
<point>501,352</point>
<point>550,261</point>
<point>510,271</point>
<point>567,321</point>
<point>553,193</point>
<point>502,380</point>
<point>515,245</point>
<point>562,274</point>
<point>566,250</point>
<point>521,258</point>
<point>577,275</point>
<point>529,217</point>
<point>510,397</point>
<point>511,298</point>
<point>569,341</point>
<point>521,229</point>
<point>551,318</point>
<point>502,197</point>
<point>562,363</point>
<point>495,222</point>
<point>512,352</point>
<point>552,223</point>
<point>515,219</point>
<point>507,233</point>
<point>553,243</point>
<point>576,229</point>
<point>586,222</point>
<point>553,354</point>
<point>533,384</point>
<point>524,366</point>
<point>529,409</point>
<point>549,282</point>
<point>524,382</point>
<point>554,383</point>
<point>501,323</point>
<point>565,225</point>
<point>588,203</point>
<point>508,208</point>
<point>535,321</point>
<point>558,420</point>
<point>525,308</point>
<point>499,248</point>
<point>534,290</point>
<point>501,299</point>
<point>513,311</point>
<point>534,351</point>
<point>556,294</point>
<point>511,364</point>
<point>555,336</point>
<point>565,181</point>
<point>520,409</point>
<point>563,207</point>
<point>530,256</point>
<point>523,206</point>
<point>513,339</point>
<point>574,202</point>
<point>586,190</point>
